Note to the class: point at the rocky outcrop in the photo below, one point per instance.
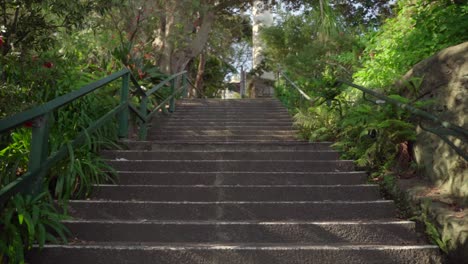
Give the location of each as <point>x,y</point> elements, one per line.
<point>444,79</point>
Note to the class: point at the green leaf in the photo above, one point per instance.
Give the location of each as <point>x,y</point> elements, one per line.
<point>399,98</point>
<point>20,218</point>
<point>41,236</point>
<point>31,226</point>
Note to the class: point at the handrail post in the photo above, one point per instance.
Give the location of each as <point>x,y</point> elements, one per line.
<point>39,150</point>
<point>143,110</point>
<point>185,85</point>
<point>124,115</point>
<point>173,100</point>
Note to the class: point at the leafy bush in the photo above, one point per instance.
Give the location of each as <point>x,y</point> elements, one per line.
<point>420,29</point>
<point>73,177</point>
<point>33,219</point>
<point>363,131</point>
<point>27,220</point>
<point>370,133</point>
<point>317,123</point>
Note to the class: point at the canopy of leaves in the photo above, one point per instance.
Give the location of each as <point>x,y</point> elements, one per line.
<point>309,43</point>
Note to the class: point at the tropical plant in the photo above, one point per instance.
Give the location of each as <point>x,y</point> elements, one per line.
<point>27,221</point>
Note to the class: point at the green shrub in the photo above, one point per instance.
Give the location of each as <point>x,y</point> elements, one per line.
<point>28,220</point>
<point>421,28</point>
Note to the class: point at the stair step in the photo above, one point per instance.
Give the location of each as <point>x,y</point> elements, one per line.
<point>192,124</point>
<point>234,113</point>
<point>244,101</point>
<point>241,178</point>
<point>227,121</point>
<point>226,146</point>
<point>183,128</point>
<point>224,114</point>
<point>224,138</point>
<point>223,132</point>
<point>233,211</point>
<point>209,108</point>
<point>201,193</point>
<point>206,108</point>
<point>240,253</point>
<point>220,118</point>
<point>233,165</point>
<point>220,155</point>
<point>234,105</point>
<point>373,232</point>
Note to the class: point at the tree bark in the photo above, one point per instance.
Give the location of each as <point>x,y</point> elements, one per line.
<point>198,92</point>
<point>177,39</point>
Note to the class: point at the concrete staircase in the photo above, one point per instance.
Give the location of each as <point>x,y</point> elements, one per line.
<point>228,182</point>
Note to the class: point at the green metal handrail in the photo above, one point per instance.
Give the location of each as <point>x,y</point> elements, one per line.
<point>445,128</point>
<point>40,162</point>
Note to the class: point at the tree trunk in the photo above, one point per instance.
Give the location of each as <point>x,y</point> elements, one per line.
<point>198,92</point>
<point>178,39</point>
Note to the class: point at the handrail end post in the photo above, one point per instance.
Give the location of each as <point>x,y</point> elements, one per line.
<point>124,115</point>
<point>143,123</point>
<point>172,102</point>
<point>185,85</point>
<point>39,150</point>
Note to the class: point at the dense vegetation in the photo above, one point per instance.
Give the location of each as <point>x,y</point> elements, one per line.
<point>318,48</point>
<point>49,48</point>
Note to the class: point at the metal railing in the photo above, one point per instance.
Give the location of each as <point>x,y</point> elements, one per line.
<point>443,130</point>
<point>40,161</point>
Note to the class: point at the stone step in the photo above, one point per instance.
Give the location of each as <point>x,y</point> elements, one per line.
<point>122,253</point>
<point>157,128</point>
<point>236,103</point>
<point>224,132</point>
<point>230,109</point>
<point>223,140</point>
<point>216,125</point>
<point>233,165</point>
<point>182,111</point>
<point>253,137</point>
<point>270,104</point>
<point>222,118</point>
<point>240,112</point>
<point>220,155</point>
<point>201,114</point>
<point>241,178</point>
<point>256,104</point>
<point>229,122</point>
<point>205,193</point>
<point>195,101</point>
<point>233,211</point>
<point>373,232</point>
<point>225,146</point>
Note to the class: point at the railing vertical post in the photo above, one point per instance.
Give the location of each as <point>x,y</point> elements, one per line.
<point>143,110</point>
<point>124,115</point>
<point>173,99</point>
<point>39,150</point>
<point>185,85</point>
